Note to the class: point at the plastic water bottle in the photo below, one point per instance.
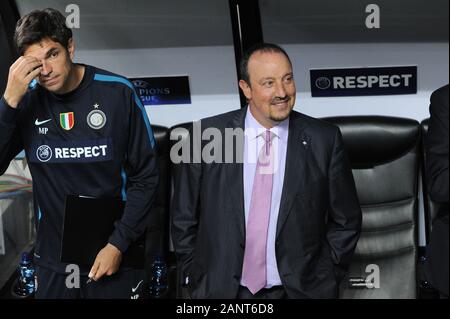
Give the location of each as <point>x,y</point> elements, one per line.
<point>426,290</point>
<point>26,284</point>
<point>158,282</point>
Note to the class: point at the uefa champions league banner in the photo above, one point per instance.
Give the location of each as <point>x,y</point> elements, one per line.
<point>163,90</point>
<point>364,81</point>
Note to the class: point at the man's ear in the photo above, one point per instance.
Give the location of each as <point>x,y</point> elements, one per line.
<point>245,87</point>
<point>71,48</point>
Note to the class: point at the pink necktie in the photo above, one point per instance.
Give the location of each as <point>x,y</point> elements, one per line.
<point>254,270</point>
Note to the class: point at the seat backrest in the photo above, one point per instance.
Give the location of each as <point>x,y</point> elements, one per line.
<point>431,208</point>
<point>385,154</point>
<point>157,239</point>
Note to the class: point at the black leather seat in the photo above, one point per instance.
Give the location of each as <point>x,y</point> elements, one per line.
<point>158,232</point>
<point>385,155</point>
<point>431,208</point>
<point>157,236</point>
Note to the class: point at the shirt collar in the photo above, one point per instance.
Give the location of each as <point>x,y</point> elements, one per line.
<point>281,130</point>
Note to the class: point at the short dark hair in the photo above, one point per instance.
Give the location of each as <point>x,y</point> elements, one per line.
<point>260,47</point>
<point>40,24</point>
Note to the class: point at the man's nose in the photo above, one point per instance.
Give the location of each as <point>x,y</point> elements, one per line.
<point>281,91</point>
<point>46,69</point>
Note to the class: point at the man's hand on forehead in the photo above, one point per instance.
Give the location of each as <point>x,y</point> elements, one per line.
<point>21,73</point>
<point>28,59</point>
<point>30,63</point>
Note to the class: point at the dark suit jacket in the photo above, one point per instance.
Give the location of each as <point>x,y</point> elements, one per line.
<point>437,181</point>
<point>318,225</point>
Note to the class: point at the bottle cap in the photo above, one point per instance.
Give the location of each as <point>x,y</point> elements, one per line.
<point>33,84</point>
<point>26,258</point>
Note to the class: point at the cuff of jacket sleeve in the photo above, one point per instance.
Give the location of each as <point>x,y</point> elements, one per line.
<point>119,240</point>
<point>7,113</point>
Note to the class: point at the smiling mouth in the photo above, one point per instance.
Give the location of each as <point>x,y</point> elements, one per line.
<point>280,103</point>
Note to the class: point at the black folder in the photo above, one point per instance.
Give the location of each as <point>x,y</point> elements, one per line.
<point>88,224</point>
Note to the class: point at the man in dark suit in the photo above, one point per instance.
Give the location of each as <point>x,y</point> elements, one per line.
<point>282,219</point>
<point>437,181</point>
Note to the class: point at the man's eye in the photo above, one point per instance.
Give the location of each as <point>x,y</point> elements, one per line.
<point>54,54</point>
<point>268,84</point>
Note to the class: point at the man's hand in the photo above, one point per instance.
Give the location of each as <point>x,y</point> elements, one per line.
<point>106,263</point>
<point>21,73</point>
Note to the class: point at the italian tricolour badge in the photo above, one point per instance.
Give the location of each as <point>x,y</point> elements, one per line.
<point>67,120</point>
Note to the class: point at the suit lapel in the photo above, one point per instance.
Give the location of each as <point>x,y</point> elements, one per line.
<point>296,173</point>
<point>234,175</point>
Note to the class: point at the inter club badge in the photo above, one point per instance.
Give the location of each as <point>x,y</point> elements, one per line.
<point>96,119</point>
